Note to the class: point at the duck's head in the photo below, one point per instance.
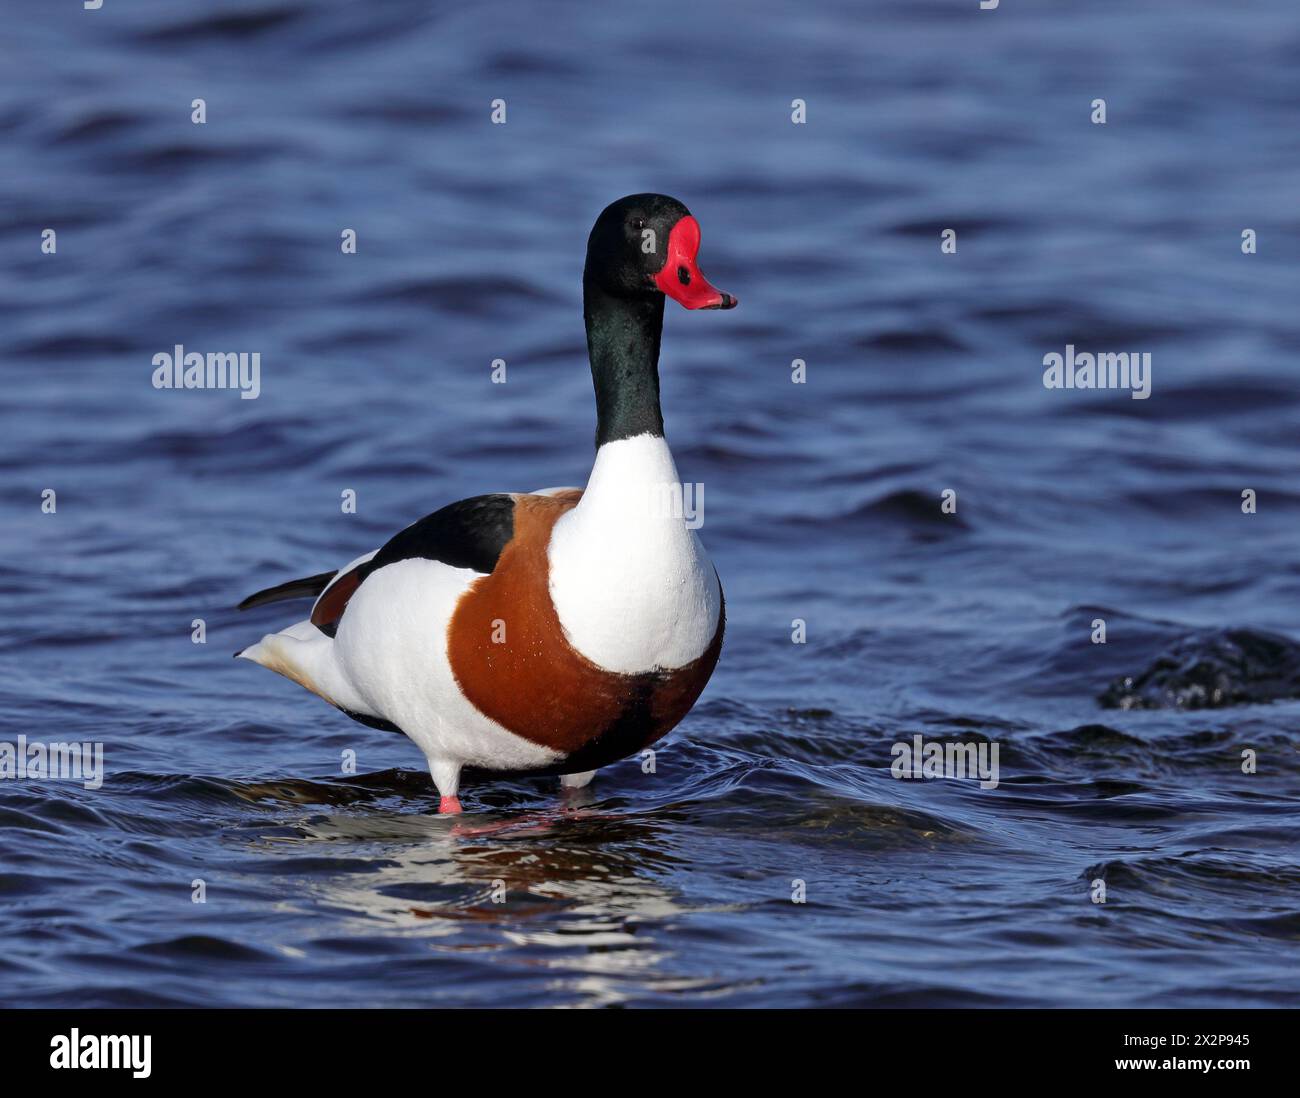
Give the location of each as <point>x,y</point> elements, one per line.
<point>646,244</point>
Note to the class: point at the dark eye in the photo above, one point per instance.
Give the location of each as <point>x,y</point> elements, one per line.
<point>638,223</point>
<point>683,276</point>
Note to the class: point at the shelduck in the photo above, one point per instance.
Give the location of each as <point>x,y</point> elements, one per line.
<point>546,632</point>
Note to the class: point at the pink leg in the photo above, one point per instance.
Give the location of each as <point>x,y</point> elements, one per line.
<point>446,775</point>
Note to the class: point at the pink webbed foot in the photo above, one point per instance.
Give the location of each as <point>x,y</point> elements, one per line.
<point>449,806</point>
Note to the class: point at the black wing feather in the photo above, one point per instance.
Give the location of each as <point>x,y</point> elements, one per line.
<point>467,534</point>
<point>294,589</point>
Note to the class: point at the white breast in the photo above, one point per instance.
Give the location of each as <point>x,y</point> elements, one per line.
<point>631,582</point>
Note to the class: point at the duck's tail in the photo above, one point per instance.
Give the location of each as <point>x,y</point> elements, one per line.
<point>303,653</point>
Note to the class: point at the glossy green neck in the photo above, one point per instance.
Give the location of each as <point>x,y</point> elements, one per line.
<point>623,343</point>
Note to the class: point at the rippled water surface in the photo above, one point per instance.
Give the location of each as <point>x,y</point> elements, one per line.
<point>1119,762</point>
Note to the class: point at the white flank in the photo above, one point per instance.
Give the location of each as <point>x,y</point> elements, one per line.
<point>631,583</point>
<point>392,646</point>
<point>389,659</point>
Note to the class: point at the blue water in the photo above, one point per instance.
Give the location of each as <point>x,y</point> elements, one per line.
<point>821,500</point>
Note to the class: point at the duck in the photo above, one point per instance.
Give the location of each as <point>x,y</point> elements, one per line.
<point>548,632</point>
